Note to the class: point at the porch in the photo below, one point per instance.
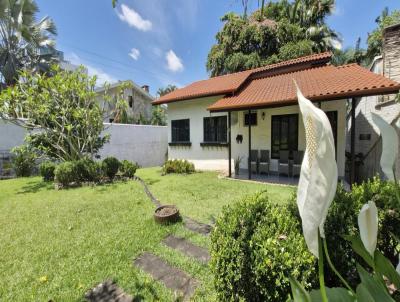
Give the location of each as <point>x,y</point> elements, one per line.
<point>272,177</point>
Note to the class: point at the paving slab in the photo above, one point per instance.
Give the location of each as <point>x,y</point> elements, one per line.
<point>187,248</point>
<point>107,291</point>
<point>198,227</point>
<point>172,277</point>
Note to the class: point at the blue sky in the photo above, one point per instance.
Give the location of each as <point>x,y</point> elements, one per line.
<point>160,42</point>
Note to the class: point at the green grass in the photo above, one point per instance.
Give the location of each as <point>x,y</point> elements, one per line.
<point>202,195</point>
<point>55,245</point>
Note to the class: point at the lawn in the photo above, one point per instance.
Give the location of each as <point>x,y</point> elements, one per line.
<point>57,244</point>
<point>202,195</point>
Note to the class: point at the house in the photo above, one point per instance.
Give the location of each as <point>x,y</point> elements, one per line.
<point>368,145</point>
<point>138,101</point>
<point>216,121</point>
<point>49,53</point>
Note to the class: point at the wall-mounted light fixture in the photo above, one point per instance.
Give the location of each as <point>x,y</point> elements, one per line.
<point>263,115</point>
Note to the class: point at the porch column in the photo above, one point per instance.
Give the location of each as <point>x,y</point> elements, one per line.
<point>353,141</point>
<point>229,144</point>
<point>249,160</point>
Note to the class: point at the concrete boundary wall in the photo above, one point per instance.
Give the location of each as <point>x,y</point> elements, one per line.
<point>147,145</point>
<point>144,144</point>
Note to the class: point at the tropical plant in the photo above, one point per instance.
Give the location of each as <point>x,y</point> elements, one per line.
<point>110,166</point>
<point>23,160</point>
<point>278,31</point>
<point>158,116</point>
<point>46,170</point>
<point>22,37</point>
<point>64,110</point>
<point>375,38</point>
<point>255,244</point>
<point>127,168</point>
<point>314,196</point>
<point>163,91</point>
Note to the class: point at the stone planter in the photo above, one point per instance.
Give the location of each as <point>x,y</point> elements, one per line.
<point>166,214</point>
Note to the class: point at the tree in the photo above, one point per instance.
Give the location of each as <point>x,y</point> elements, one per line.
<point>375,38</point>
<point>158,116</point>
<point>278,31</point>
<point>21,37</point>
<point>62,110</point>
<point>163,91</point>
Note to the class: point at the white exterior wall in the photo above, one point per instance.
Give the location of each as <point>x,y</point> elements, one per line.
<point>204,158</point>
<point>216,158</point>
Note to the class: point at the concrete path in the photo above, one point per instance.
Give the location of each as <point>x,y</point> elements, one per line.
<point>198,227</point>
<point>187,248</point>
<point>172,277</point>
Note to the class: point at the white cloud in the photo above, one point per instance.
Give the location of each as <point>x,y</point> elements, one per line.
<point>131,17</point>
<point>134,54</point>
<point>102,76</point>
<point>173,62</point>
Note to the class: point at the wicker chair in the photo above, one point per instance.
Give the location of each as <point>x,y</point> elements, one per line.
<point>254,161</point>
<point>297,160</point>
<point>283,165</point>
<point>263,165</point>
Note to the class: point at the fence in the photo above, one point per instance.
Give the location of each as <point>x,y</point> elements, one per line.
<point>147,145</point>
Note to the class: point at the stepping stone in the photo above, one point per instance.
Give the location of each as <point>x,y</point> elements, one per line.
<point>107,291</point>
<point>172,277</point>
<point>196,226</point>
<point>187,248</point>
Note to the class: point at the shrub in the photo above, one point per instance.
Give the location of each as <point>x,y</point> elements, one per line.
<point>66,173</point>
<point>255,246</point>
<point>110,166</point>
<point>47,170</point>
<point>23,161</point>
<point>127,168</point>
<point>178,166</point>
<point>88,170</point>
<point>342,220</point>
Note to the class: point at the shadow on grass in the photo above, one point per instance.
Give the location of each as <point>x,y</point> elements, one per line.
<point>36,186</point>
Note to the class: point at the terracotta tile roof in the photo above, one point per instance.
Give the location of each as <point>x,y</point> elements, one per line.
<point>229,83</point>
<point>319,83</point>
<point>214,86</point>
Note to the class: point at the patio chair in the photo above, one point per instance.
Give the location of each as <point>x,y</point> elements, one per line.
<point>283,164</point>
<point>263,165</point>
<point>254,161</point>
<point>297,160</point>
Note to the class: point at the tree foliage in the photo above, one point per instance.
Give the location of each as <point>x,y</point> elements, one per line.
<point>375,38</point>
<point>21,37</point>
<point>165,90</point>
<point>279,31</point>
<point>62,110</point>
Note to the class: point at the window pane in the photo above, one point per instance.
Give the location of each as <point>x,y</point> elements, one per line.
<point>180,130</point>
<point>253,119</point>
<point>215,129</point>
<point>284,135</point>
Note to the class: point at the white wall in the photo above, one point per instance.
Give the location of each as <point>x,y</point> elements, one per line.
<point>10,135</point>
<point>144,144</point>
<point>216,158</point>
<point>204,158</point>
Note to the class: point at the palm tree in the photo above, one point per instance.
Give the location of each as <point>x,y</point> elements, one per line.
<point>22,37</point>
<point>311,14</point>
<point>166,90</point>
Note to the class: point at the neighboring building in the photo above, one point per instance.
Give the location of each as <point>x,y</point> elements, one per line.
<point>138,100</point>
<point>58,56</point>
<point>368,145</point>
<point>214,121</point>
